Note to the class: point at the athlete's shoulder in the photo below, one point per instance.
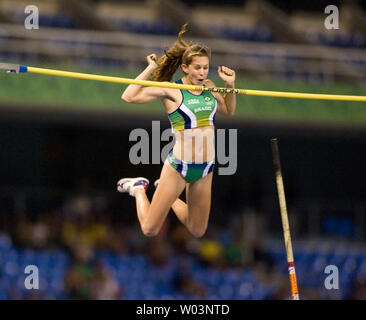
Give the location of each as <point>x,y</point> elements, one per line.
<point>172,90</point>
<point>172,94</point>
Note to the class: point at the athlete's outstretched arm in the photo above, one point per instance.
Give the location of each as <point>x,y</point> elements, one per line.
<point>135,94</point>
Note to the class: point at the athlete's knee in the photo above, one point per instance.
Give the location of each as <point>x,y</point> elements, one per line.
<point>149,231</point>
<point>198,231</point>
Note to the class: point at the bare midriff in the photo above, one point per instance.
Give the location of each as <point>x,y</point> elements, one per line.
<point>195,145</point>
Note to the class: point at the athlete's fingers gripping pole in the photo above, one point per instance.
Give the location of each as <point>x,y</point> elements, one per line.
<point>284,217</point>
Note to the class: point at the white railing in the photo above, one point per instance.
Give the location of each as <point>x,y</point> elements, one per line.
<point>247,57</point>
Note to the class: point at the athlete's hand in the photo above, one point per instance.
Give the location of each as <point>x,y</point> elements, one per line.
<point>227,75</point>
<point>152,60</point>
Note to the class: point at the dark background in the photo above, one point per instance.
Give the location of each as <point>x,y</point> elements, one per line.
<point>319,165</point>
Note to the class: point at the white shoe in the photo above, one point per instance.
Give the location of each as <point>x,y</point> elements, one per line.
<point>156,183</point>
<point>130,184</point>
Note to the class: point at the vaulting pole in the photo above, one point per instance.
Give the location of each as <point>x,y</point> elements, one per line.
<point>14,68</point>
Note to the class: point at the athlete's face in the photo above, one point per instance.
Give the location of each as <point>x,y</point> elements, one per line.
<point>197,71</point>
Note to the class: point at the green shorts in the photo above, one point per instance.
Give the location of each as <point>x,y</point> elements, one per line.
<point>191,172</point>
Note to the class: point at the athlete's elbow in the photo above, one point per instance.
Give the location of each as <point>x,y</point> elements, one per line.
<point>126,98</point>
<point>229,113</point>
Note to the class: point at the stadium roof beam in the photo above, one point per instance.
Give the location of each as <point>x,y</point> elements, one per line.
<point>177,12</point>
<point>5,18</point>
<point>354,17</point>
<point>279,23</point>
<point>276,20</point>
<point>84,13</point>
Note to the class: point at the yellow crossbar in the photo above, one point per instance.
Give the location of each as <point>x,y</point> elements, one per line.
<point>278,94</point>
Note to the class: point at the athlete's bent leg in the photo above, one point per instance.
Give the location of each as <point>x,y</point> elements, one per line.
<point>152,215</point>
<point>194,215</point>
<point>198,196</point>
<point>179,207</point>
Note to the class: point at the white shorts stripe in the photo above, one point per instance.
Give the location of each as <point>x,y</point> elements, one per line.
<point>184,169</point>
<point>209,164</point>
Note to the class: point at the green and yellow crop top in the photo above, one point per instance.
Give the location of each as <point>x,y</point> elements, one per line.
<point>194,111</point>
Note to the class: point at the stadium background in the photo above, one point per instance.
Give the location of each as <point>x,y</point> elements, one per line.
<point>64,145</point>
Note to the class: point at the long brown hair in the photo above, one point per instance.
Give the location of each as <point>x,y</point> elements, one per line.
<point>180,53</point>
